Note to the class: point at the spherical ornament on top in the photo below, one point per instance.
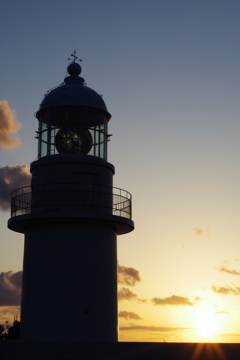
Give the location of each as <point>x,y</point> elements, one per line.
<point>74,69</point>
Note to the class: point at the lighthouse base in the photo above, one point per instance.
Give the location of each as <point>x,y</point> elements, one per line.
<point>69,290</point>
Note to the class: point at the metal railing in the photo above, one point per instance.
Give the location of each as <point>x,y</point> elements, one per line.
<point>80,197</point>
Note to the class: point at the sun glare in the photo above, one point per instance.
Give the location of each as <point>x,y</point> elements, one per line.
<point>206,325</point>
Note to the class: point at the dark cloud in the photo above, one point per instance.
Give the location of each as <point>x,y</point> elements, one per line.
<point>16,279</point>
<point>173,300</point>
<point>128,275</point>
<point>228,271</point>
<point>8,125</point>
<point>11,178</point>
<point>10,288</point>
<point>151,328</point>
<point>129,315</point>
<point>226,290</point>
<point>126,294</point>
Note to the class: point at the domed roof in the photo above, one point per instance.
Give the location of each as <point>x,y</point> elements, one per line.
<point>73,91</point>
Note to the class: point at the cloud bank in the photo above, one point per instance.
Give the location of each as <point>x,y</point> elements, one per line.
<point>11,178</point>
<point>151,328</point>
<point>10,288</point>
<point>173,300</point>
<point>8,125</point>
<point>128,276</point>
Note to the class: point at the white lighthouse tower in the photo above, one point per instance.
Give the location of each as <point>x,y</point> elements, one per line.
<point>71,215</point>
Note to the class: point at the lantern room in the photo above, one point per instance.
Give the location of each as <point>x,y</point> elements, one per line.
<point>73,119</point>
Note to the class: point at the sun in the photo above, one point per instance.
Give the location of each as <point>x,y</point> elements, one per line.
<point>207,327</point>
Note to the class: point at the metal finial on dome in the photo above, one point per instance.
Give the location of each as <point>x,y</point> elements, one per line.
<point>74,69</point>
<point>74,57</point>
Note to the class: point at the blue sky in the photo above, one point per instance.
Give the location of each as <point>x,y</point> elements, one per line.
<point>169,74</point>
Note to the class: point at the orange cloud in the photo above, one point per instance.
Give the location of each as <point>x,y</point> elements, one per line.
<point>126,294</point>
<point>8,125</point>
<point>222,312</point>
<point>11,178</point>
<point>228,271</point>
<point>173,300</point>
<point>129,315</point>
<point>128,276</point>
<point>225,290</point>
<point>197,232</point>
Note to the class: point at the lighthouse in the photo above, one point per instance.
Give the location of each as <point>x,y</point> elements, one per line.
<point>70,216</point>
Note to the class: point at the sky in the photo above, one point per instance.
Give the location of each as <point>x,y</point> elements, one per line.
<point>169,73</point>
